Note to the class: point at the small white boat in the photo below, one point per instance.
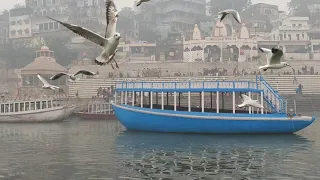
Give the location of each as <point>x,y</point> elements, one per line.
<point>47,110</point>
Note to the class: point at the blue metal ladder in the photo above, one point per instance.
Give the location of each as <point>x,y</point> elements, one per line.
<point>271,96</point>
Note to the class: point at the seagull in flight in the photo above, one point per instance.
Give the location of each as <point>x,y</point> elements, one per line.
<point>111,18</point>
<point>139,2</point>
<point>46,85</point>
<point>275,61</point>
<point>233,12</point>
<point>72,76</point>
<point>248,102</point>
<point>109,43</point>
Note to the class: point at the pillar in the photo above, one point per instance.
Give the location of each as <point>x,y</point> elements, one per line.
<point>151,100</point>
<point>234,102</point>
<point>133,94</point>
<point>189,101</point>
<point>202,101</point>
<point>126,97</point>
<point>261,96</point>
<point>211,100</point>
<point>217,102</point>
<point>175,101</point>
<point>141,99</point>
<point>250,108</point>
<point>162,101</point>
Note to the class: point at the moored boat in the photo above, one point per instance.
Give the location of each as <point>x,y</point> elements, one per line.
<point>45,110</point>
<point>97,110</point>
<point>171,114</point>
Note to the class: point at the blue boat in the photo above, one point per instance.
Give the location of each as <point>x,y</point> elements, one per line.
<point>146,113</point>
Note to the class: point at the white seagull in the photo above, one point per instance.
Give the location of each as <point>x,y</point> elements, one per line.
<point>139,2</point>
<point>72,76</point>
<point>46,85</point>
<point>111,18</point>
<point>109,43</point>
<point>247,102</point>
<point>275,61</point>
<point>233,12</point>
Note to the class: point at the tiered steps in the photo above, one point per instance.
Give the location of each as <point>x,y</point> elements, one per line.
<point>170,68</point>
<point>284,84</point>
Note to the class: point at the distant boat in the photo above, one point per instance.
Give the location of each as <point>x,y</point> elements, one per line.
<point>97,110</point>
<point>46,110</point>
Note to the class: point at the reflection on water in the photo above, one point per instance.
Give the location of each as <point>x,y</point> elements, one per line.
<point>79,150</point>
<point>206,157</point>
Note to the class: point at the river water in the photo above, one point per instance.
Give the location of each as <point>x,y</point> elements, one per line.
<point>101,150</point>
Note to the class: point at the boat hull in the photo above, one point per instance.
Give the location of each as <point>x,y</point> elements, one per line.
<point>155,120</point>
<point>84,115</point>
<point>56,114</point>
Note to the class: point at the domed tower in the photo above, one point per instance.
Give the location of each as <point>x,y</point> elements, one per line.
<point>219,30</point>
<point>243,33</point>
<point>45,64</point>
<point>196,33</point>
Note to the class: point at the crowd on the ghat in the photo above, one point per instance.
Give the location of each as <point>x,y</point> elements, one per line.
<point>158,72</point>
<point>105,93</point>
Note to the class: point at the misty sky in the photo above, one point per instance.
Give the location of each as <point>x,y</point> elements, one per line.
<point>8,4</point>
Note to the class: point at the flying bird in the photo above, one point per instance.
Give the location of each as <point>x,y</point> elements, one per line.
<point>139,2</point>
<point>111,18</point>
<point>46,85</point>
<point>248,102</point>
<point>275,61</point>
<point>109,43</point>
<point>72,76</point>
<point>233,12</point>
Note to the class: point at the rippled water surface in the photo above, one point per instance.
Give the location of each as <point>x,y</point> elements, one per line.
<point>99,150</point>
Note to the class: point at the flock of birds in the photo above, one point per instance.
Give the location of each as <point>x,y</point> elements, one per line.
<point>110,41</point>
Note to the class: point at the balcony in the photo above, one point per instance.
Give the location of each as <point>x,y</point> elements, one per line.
<point>176,7</point>
<point>180,20</point>
<point>294,28</point>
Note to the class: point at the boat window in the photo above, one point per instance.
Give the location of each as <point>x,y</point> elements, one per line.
<point>7,108</point>
<point>11,107</point>
<point>38,105</point>
<point>103,108</point>
<point>32,106</point>
<point>44,104</point>
<point>16,107</point>
<point>2,108</point>
<point>98,110</point>
<point>90,108</point>
<point>21,106</point>
<point>49,104</point>
<point>27,106</point>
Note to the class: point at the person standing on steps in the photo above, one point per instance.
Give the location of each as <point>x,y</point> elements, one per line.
<point>300,88</point>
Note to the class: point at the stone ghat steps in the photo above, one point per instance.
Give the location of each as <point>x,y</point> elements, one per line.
<point>168,69</point>
<point>87,88</point>
<point>304,103</point>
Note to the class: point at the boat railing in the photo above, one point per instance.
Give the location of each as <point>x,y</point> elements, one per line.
<point>196,85</point>
<point>272,97</point>
<point>24,106</point>
<point>100,108</point>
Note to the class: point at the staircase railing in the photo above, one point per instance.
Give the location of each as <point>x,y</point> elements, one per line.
<point>271,96</point>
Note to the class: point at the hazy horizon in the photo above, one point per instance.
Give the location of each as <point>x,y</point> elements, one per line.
<point>129,3</point>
